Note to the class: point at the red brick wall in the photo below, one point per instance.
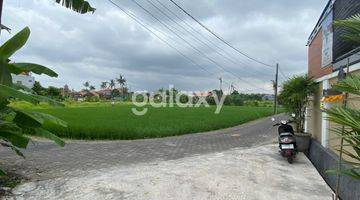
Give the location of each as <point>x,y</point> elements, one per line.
<point>314,58</point>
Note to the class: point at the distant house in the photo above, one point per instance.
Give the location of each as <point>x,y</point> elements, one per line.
<point>105,93</point>
<point>123,90</point>
<point>202,94</point>
<point>80,96</point>
<point>65,91</point>
<point>24,79</point>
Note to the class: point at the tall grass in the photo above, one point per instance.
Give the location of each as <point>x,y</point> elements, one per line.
<point>118,122</point>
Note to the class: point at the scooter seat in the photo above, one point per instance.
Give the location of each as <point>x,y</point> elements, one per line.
<point>286,134</point>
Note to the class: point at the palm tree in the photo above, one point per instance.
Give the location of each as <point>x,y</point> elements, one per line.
<point>103,85</point>
<point>295,95</point>
<point>112,84</point>
<point>91,87</point>
<point>351,27</point>
<point>86,85</point>
<point>349,118</point>
<point>121,80</point>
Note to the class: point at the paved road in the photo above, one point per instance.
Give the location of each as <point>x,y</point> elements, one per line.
<point>44,160</point>
<point>233,174</point>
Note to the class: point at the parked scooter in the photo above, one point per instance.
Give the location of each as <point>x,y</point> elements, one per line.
<point>287,141</point>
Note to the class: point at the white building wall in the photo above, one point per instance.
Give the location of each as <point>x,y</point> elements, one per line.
<point>25,80</point>
<point>326,85</point>
<point>324,120</point>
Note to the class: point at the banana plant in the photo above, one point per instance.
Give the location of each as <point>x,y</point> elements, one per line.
<point>15,124</point>
<point>79,6</point>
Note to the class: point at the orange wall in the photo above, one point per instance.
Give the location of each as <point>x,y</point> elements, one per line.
<point>314,58</point>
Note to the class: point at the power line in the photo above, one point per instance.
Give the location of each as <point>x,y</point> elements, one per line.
<point>152,32</point>
<point>193,35</point>
<point>192,46</point>
<point>193,29</point>
<point>132,16</point>
<point>200,33</point>
<point>220,38</point>
<point>227,57</point>
<point>283,74</point>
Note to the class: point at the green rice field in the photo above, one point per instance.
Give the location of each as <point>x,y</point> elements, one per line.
<point>104,121</point>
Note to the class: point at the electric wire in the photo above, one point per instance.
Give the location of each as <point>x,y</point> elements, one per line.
<point>283,74</point>
<point>193,47</point>
<point>220,38</point>
<point>226,56</point>
<point>132,16</point>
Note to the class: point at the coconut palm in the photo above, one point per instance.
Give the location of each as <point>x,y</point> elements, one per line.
<point>121,80</point>
<point>112,84</point>
<point>86,85</point>
<point>103,85</point>
<point>91,87</point>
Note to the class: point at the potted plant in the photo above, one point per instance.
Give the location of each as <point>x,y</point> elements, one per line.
<point>294,96</point>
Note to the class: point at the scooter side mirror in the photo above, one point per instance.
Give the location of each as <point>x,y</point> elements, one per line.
<point>272,119</point>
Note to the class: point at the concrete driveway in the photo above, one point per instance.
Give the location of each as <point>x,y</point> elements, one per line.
<point>235,163</point>
<point>255,173</point>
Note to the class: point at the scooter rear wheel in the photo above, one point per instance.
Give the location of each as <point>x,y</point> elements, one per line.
<point>290,160</point>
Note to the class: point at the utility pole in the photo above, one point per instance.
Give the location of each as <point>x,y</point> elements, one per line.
<point>276,88</point>
<point>232,88</point>
<point>1,7</point>
<point>220,79</point>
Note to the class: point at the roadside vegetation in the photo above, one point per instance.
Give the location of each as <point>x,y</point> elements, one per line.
<point>294,96</point>
<point>16,124</point>
<point>103,121</point>
<point>348,118</point>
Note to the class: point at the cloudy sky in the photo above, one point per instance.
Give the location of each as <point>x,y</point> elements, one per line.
<point>98,47</point>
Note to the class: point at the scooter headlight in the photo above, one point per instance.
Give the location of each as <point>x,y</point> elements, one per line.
<point>283,122</point>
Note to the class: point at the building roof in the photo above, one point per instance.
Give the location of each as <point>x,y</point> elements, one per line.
<point>104,91</point>
<point>203,94</point>
<point>321,18</point>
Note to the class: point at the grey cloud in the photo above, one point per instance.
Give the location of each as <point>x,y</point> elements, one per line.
<point>99,46</point>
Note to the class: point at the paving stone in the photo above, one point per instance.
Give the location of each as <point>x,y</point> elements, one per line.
<point>45,160</point>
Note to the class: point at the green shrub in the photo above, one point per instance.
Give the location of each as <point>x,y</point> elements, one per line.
<point>294,96</point>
